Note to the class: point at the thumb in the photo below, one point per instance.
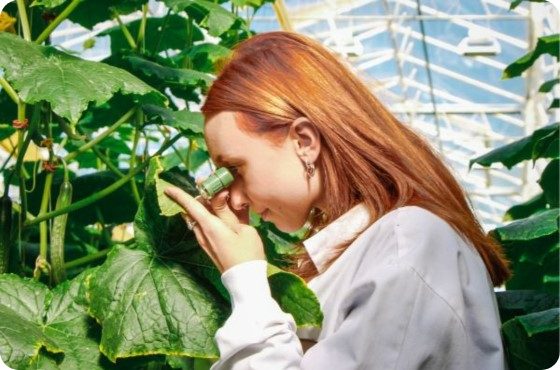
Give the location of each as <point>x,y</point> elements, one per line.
<point>221,209</point>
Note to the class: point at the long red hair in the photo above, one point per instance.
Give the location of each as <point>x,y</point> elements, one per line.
<point>367,155</point>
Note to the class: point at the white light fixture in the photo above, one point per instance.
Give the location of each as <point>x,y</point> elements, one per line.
<point>479,42</point>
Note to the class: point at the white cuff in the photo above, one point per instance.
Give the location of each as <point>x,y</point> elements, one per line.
<point>247,283</point>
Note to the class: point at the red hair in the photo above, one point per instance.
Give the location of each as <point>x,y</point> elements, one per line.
<point>367,155</point>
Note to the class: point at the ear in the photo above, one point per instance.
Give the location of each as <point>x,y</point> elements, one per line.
<point>306,139</point>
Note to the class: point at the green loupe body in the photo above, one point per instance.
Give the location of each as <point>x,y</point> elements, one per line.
<point>217,181</point>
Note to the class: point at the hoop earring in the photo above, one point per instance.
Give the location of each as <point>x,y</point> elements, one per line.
<point>309,169</point>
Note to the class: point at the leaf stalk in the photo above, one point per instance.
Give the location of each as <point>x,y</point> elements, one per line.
<point>62,16</point>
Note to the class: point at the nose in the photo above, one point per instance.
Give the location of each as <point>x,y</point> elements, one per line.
<point>237,197</point>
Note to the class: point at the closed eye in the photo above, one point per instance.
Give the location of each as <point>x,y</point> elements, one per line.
<point>233,170</point>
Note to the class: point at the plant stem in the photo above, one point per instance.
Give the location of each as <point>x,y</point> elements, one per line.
<point>139,122</point>
<point>156,47</point>
<point>189,152</point>
<point>9,89</point>
<point>86,259</point>
<point>22,148</point>
<point>7,160</point>
<point>17,208</point>
<point>102,157</point>
<point>62,16</point>
<point>44,208</point>
<point>103,193</point>
<point>102,136</point>
<point>24,21</point>
<point>126,33</point>
<point>142,29</point>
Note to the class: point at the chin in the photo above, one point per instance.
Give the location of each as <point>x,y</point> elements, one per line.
<point>287,228</point>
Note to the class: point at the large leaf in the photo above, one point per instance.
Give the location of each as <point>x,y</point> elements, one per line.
<point>537,226</point>
<point>150,305</point>
<point>214,17</point>
<point>69,84</point>
<point>161,34</point>
<point>532,340</point>
<point>549,44</point>
<point>34,317</point>
<point>520,150</point>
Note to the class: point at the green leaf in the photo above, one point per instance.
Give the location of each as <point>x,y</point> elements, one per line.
<point>535,263</point>
<point>48,3</point>
<point>520,150</point>
<point>150,305</point>
<point>35,317</point>
<point>167,206</point>
<point>537,226</point>
<point>205,56</point>
<point>531,340</point>
<point>547,86</point>
<point>549,44</point>
<point>555,104</point>
<point>549,183</point>
<point>91,12</point>
<point>293,296</point>
<point>69,84</point>
<point>169,75</point>
<point>547,146</point>
<point>216,18</point>
<point>192,122</point>
<point>161,34</point>
<point>526,209</point>
<point>522,302</point>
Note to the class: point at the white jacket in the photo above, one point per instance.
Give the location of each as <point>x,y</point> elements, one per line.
<point>408,294</point>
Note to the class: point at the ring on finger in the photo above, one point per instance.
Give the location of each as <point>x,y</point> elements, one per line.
<point>192,224</point>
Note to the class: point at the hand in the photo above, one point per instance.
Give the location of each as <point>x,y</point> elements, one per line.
<point>223,237</point>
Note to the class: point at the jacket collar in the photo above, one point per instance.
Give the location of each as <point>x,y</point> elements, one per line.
<point>320,246</point>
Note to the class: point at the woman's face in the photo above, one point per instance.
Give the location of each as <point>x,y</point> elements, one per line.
<point>270,178</point>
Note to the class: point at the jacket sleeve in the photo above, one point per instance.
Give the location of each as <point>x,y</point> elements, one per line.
<point>258,335</point>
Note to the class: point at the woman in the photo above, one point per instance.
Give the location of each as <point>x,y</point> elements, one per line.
<point>401,267</point>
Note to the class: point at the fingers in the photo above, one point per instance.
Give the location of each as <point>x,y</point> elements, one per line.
<point>221,209</point>
<point>194,209</point>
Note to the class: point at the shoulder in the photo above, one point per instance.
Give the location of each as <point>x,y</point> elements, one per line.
<point>406,230</point>
<point>418,239</point>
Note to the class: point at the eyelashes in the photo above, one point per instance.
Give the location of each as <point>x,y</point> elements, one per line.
<point>233,170</point>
